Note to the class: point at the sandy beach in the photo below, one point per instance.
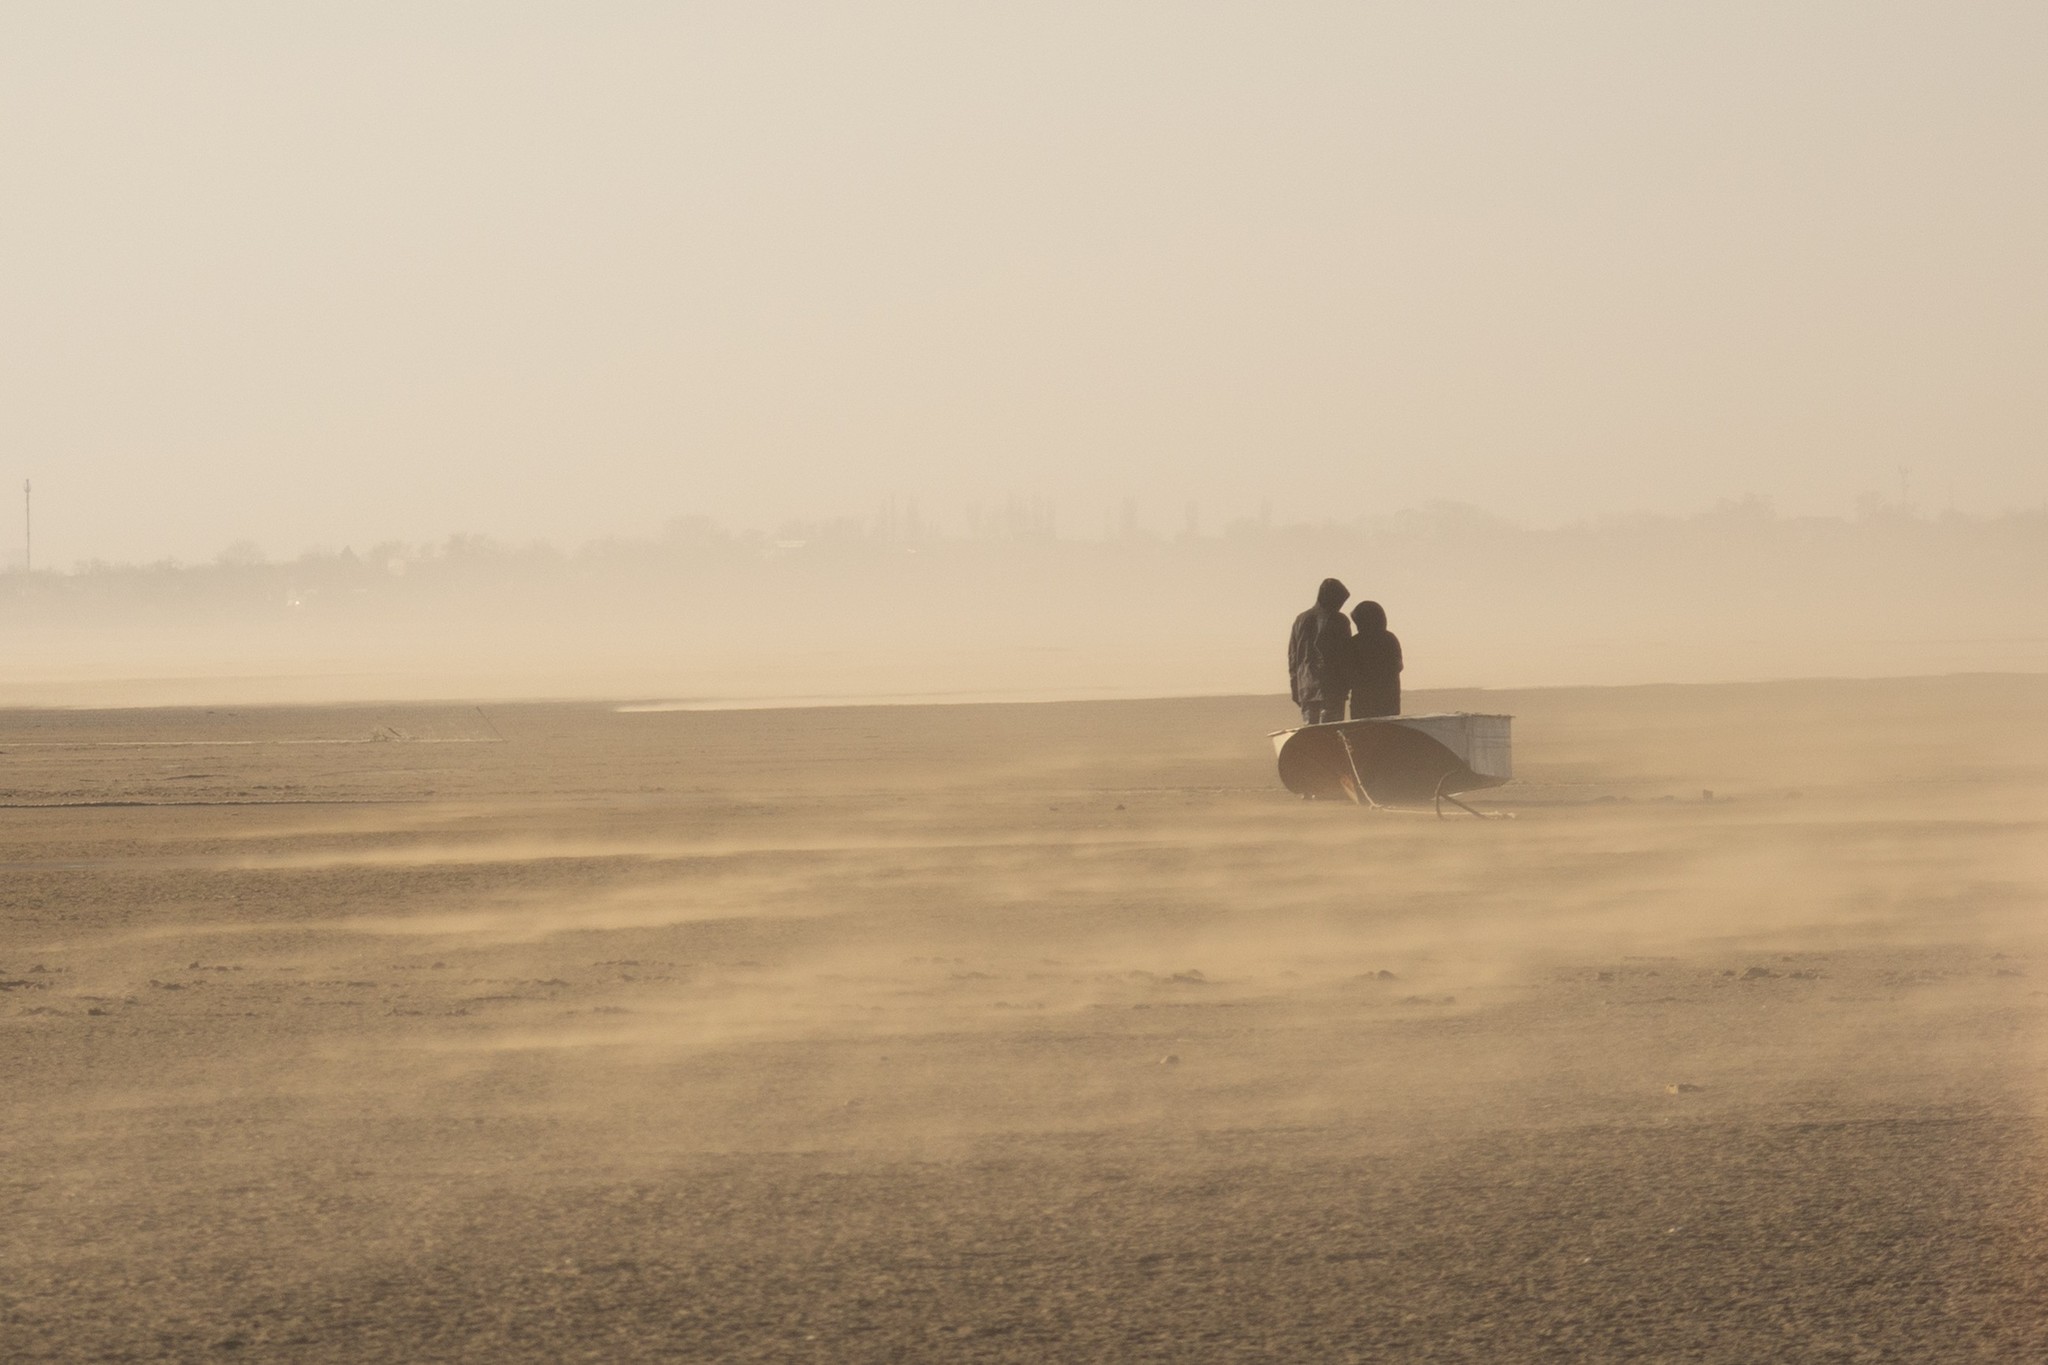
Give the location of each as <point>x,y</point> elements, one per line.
<point>1025,1032</point>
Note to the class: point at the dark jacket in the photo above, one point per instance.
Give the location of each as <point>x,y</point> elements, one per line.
<point>1375,659</point>
<point>1316,649</point>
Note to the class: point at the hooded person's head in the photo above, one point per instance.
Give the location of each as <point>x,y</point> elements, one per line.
<point>1332,595</point>
<point>1370,617</point>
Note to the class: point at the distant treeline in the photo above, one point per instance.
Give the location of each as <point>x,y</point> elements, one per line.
<point>1907,549</point>
<point>1738,591</point>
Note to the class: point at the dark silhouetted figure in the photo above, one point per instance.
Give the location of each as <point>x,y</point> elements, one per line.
<point>1375,656</point>
<point>1318,655</point>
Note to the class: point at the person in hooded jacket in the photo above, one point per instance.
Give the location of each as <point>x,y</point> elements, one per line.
<point>1375,658</point>
<point>1318,656</point>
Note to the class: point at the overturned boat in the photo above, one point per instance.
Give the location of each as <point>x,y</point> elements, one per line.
<point>1397,760</point>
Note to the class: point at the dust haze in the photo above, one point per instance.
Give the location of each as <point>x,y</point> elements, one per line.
<point>1013,1031</point>
<point>637,645</point>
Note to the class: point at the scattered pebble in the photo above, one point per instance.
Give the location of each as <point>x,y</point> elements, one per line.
<point>1170,1059</point>
<point>1683,1088</point>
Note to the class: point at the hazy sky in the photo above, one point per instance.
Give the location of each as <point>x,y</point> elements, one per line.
<point>314,274</point>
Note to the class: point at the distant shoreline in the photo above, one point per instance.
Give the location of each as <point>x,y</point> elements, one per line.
<point>306,693</point>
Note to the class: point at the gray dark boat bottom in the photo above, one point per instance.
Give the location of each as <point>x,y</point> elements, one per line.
<point>1396,760</point>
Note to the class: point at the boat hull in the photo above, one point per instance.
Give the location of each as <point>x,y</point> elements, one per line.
<point>1396,760</point>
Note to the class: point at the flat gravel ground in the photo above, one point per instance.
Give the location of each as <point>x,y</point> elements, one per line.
<point>1021,1033</point>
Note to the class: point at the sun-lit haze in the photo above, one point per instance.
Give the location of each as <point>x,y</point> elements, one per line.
<point>325,275</point>
<point>643,667</point>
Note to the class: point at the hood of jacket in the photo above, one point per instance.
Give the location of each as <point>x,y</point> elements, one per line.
<point>1332,595</point>
<point>1370,617</point>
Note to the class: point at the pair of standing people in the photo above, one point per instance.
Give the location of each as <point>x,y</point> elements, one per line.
<point>1328,663</point>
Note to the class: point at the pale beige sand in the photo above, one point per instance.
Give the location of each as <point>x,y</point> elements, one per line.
<point>554,1032</point>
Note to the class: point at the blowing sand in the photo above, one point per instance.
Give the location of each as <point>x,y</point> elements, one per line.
<point>1027,1032</point>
